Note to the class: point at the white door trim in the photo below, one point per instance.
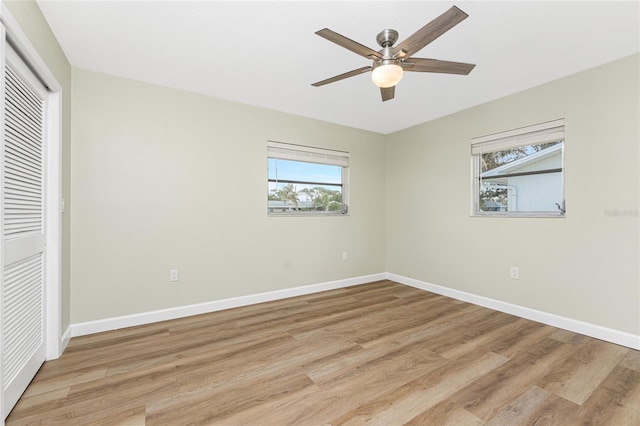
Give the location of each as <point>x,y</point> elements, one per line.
<point>10,30</point>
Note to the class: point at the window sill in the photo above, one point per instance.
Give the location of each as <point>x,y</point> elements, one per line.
<point>306,214</point>
<point>522,214</point>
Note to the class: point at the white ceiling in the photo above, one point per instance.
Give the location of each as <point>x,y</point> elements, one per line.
<point>266,54</point>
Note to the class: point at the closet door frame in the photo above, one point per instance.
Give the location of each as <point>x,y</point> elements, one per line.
<point>10,32</point>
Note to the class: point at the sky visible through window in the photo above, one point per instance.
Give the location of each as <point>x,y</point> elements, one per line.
<point>523,178</point>
<point>306,172</point>
<point>299,171</point>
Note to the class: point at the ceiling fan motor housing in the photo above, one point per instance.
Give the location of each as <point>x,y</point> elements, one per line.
<point>386,38</point>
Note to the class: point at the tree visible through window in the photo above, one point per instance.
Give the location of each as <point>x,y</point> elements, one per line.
<point>520,172</point>
<point>306,180</point>
<point>497,190</point>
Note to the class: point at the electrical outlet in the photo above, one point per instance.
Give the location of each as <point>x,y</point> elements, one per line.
<point>344,255</point>
<point>515,273</point>
<point>173,275</point>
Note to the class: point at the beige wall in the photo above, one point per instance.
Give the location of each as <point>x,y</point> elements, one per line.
<point>168,179</point>
<point>585,266</point>
<point>28,16</point>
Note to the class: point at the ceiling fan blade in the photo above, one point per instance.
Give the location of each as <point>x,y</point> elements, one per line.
<point>342,76</point>
<point>347,43</point>
<point>387,93</point>
<point>431,31</point>
<point>434,65</point>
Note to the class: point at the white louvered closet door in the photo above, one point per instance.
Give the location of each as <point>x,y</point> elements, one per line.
<point>23,230</point>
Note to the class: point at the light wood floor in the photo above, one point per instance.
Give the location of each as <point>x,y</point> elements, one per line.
<point>380,353</point>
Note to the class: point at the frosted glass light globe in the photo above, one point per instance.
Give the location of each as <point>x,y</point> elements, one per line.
<point>386,75</point>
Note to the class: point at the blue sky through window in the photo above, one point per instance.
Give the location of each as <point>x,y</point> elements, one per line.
<point>299,172</point>
<point>304,172</point>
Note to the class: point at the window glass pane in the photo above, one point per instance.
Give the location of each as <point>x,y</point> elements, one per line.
<point>297,186</point>
<point>304,197</point>
<point>304,172</point>
<point>522,179</point>
<point>525,155</point>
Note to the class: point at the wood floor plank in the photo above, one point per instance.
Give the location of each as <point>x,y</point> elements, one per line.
<point>371,379</point>
<point>398,316</point>
<point>507,339</point>
<point>447,323</point>
<point>631,361</point>
<point>514,337</point>
<point>332,316</point>
<point>213,403</point>
<point>109,398</point>
<point>408,316</point>
<point>64,379</point>
<point>616,400</point>
<point>278,357</point>
<point>379,353</point>
<point>401,405</point>
<point>40,404</point>
<point>570,337</point>
<point>492,392</point>
<point>536,406</point>
<point>445,413</point>
<point>484,321</point>
<point>285,409</point>
<point>577,377</point>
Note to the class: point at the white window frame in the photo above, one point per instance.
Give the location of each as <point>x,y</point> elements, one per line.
<point>287,151</point>
<point>531,135</point>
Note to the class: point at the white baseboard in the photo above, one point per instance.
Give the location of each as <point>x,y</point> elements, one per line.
<point>59,344</point>
<point>64,341</point>
<point>610,335</point>
<point>115,323</point>
<point>588,329</point>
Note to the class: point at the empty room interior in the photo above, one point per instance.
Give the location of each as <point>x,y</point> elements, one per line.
<point>312,213</point>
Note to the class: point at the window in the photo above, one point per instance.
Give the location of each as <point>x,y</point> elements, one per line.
<point>520,172</point>
<point>306,181</point>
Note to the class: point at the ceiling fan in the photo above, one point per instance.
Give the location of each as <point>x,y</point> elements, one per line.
<point>390,62</point>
